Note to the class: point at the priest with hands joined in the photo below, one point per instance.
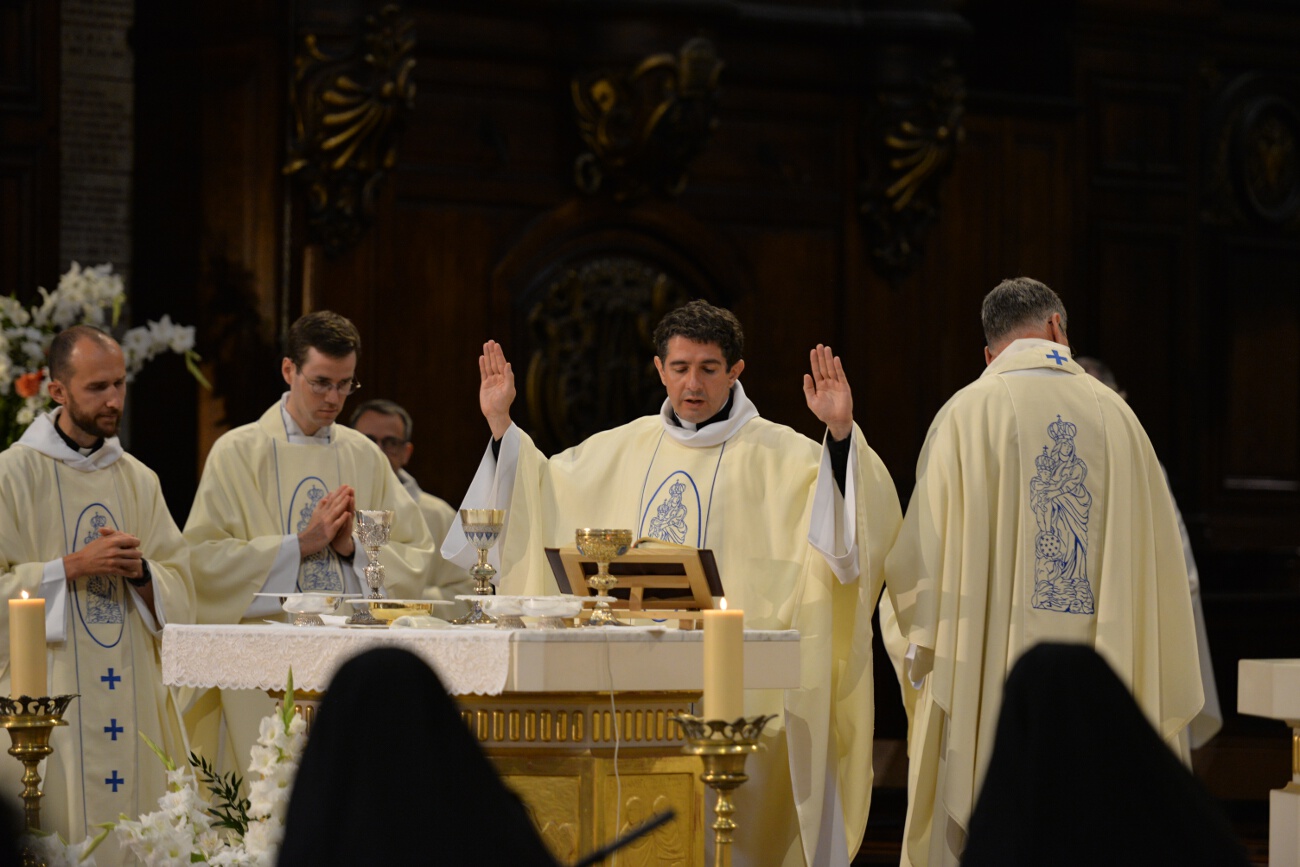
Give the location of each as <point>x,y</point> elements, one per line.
<point>274,514</point>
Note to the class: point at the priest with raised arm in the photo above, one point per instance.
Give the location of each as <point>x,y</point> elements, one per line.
<point>274,513</point>
<point>83,524</point>
<point>799,530</point>
<point>1040,514</point>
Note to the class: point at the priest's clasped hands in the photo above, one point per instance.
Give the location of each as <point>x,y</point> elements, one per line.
<point>330,524</point>
<point>113,553</point>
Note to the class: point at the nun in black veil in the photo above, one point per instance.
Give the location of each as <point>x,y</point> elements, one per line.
<point>367,791</point>
<point>1079,777</point>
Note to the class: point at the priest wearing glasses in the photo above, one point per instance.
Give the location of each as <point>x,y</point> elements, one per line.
<point>799,528</point>
<point>274,513</point>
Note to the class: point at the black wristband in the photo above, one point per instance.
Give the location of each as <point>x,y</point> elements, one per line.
<point>144,579</point>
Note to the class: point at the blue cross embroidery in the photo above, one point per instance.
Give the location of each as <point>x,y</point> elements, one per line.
<point>111,679</point>
<point>113,728</point>
<point>1057,357</point>
<point>114,781</point>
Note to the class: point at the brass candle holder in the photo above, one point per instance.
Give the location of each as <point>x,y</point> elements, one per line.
<point>723,746</point>
<point>30,721</point>
<point>482,528</point>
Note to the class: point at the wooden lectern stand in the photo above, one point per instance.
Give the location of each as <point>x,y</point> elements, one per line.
<point>657,580</point>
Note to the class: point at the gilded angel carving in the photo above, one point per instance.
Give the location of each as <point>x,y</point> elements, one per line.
<point>348,115</point>
<point>643,128</point>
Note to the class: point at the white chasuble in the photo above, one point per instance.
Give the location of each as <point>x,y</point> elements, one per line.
<point>745,488</point>
<point>102,638</point>
<point>303,479</point>
<point>1040,514</point>
<point>677,495</point>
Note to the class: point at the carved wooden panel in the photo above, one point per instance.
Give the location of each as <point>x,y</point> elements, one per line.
<point>1137,309</point>
<point>1139,128</point>
<point>1261,357</point>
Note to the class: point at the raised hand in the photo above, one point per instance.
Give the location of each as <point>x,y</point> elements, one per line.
<point>827,392</point>
<point>113,553</point>
<point>496,390</point>
<point>331,520</point>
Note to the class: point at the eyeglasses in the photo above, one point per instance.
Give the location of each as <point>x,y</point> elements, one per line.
<point>323,387</point>
<point>388,444</point>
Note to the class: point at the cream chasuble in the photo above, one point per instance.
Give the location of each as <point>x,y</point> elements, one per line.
<point>102,637</point>
<point>257,492</point>
<point>749,490</point>
<point>1040,514</point>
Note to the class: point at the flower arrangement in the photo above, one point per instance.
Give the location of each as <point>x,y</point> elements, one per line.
<point>188,828</point>
<point>221,828</point>
<point>89,296</point>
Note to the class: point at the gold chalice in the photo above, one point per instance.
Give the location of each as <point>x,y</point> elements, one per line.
<point>603,546</point>
<point>482,528</point>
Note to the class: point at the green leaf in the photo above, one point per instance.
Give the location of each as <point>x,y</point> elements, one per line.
<point>157,751</point>
<point>287,706</point>
<point>99,838</point>
<point>192,360</point>
<point>117,308</point>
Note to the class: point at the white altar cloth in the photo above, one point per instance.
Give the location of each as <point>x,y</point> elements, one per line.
<point>471,661</point>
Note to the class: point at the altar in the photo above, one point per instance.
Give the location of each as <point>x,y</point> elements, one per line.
<point>1271,688</point>
<point>577,721</point>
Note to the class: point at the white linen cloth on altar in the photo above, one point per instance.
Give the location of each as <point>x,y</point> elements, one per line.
<point>259,656</point>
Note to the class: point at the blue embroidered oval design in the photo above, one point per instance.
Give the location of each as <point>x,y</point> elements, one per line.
<point>1062,505</point>
<point>99,604</point>
<point>673,508</point>
<point>320,571</point>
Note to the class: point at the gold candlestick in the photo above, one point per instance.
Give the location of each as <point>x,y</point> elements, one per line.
<point>30,721</point>
<point>723,746</point>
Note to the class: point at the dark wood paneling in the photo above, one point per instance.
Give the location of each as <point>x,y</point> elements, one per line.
<point>29,145</point>
<point>1136,296</point>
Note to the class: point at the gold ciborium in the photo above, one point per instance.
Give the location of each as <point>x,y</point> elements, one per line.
<point>723,746</point>
<point>482,528</point>
<point>374,526</point>
<point>30,721</point>
<point>603,546</point>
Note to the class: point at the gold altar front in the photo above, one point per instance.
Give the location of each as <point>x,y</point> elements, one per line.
<point>578,721</point>
<point>557,751</point>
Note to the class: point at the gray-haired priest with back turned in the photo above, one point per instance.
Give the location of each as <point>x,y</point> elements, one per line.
<point>1040,514</point>
<point>274,513</point>
<point>799,529</point>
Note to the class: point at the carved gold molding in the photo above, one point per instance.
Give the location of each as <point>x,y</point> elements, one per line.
<point>349,111</point>
<point>910,142</point>
<point>644,127</point>
<point>577,722</point>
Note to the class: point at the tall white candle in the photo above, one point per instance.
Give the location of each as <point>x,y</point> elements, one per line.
<point>27,672</point>
<point>724,664</point>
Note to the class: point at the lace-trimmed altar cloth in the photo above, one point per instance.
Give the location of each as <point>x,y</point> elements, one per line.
<point>259,657</point>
